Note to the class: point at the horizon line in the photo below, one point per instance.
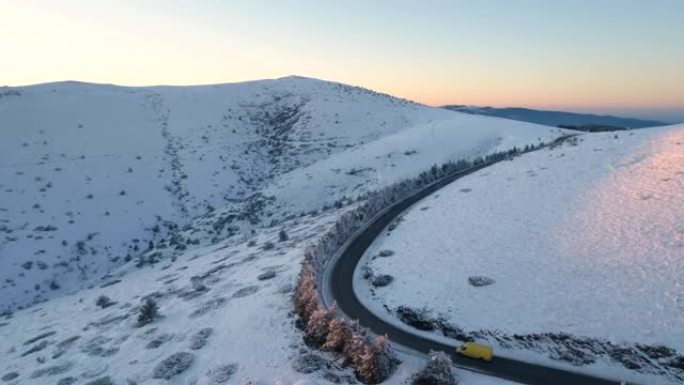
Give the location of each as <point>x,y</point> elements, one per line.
<point>675,113</point>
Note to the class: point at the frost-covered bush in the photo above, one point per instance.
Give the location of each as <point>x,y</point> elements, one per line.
<point>103,301</point>
<point>53,370</point>
<point>199,339</point>
<point>222,374</point>
<point>158,341</point>
<point>54,285</point>
<point>101,381</point>
<point>437,371</point>
<point>376,363</point>
<point>308,363</point>
<point>197,283</point>
<point>306,297</point>
<point>9,376</point>
<point>382,280</point>
<point>268,274</point>
<point>148,312</point>
<point>480,280</point>
<point>174,364</point>
<point>246,291</point>
<point>419,319</point>
<point>67,380</point>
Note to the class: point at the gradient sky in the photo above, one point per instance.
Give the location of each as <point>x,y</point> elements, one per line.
<point>612,56</point>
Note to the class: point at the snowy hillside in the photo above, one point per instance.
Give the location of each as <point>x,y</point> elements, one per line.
<point>572,256</point>
<point>93,176</point>
<point>225,317</point>
<point>202,198</point>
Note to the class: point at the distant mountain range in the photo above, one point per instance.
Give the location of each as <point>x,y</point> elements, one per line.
<point>585,122</point>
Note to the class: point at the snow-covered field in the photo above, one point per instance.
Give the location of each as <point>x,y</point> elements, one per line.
<point>178,194</point>
<point>585,240</point>
<point>92,176</point>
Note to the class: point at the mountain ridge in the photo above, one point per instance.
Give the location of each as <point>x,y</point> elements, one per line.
<point>555,118</point>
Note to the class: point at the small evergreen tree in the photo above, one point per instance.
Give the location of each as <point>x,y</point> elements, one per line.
<point>282,236</point>
<point>148,312</point>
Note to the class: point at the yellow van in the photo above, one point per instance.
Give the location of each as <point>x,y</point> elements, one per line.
<point>473,350</point>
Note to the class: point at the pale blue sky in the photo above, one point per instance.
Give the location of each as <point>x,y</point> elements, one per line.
<point>603,55</point>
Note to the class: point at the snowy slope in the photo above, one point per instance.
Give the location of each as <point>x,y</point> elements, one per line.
<point>584,247</point>
<point>220,288</point>
<point>402,155</point>
<point>227,307</point>
<point>93,176</point>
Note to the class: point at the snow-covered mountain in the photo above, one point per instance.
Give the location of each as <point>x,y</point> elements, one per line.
<point>93,176</point>
<point>203,198</point>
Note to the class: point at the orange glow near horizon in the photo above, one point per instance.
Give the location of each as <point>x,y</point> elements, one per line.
<point>493,62</point>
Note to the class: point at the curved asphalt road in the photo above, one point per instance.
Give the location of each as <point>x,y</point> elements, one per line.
<point>340,284</point>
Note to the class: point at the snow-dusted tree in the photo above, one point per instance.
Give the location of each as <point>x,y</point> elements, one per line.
<point>148,312</point>
<point>306,297</point>
<point>339,333</point>
<point>354,349</point>
<point>318,326</point>
<point>437,371</point>
<point>377,363</point>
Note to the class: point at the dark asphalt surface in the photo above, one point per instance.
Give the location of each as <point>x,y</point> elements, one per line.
<point>341,285</point>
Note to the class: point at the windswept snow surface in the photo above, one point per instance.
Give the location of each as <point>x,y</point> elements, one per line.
<point>585,239</point>
<point>92,176</point>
